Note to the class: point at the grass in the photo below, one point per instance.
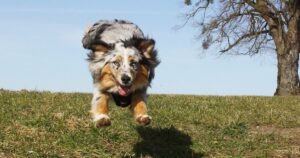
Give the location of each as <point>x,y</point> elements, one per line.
<point>44,124</point>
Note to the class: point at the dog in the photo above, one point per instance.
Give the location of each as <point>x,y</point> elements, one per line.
<point>122,63</point>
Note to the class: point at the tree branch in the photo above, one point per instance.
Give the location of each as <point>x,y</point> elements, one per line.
<point>194,12</point>
<point>248,35</point>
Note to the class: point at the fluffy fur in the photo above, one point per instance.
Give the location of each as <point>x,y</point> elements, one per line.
<point>122,62</point>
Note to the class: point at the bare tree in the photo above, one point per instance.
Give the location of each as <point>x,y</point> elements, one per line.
<point>250,27</point>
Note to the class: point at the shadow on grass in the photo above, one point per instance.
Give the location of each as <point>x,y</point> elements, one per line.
<point>164,142</point>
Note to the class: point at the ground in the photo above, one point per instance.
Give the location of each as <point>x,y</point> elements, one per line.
<point>44,124</point>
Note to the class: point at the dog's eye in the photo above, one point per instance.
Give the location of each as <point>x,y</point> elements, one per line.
<point>116,64</point>
<point>133,65</point>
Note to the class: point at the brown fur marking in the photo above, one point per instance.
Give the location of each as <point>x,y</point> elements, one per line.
<point>99,48</point>
<point>146,48</point>
<point>141,79</point>
<point>107,80</point>
<point>139,109</point>
<point>119,59</point>
<point>138,105</point>
<point>131,59</point>
<point>102,105</point>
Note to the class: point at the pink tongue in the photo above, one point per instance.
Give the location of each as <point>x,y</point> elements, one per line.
<point>123,90</point>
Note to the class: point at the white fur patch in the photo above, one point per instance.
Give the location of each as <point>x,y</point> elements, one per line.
<point>99,117</point>
<point>143,116</point>
<point>96,95</point>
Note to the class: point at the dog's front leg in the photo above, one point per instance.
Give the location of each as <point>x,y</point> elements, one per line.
<point>100,109</point>
<point>139,109</point>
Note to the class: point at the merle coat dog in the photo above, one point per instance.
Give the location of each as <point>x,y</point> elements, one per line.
<point>122,62</point>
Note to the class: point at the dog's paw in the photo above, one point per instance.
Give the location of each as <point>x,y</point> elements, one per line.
<point>143,120</point>
<point>102,120</point>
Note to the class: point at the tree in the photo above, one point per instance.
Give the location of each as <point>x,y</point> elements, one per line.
<point>250,27</point>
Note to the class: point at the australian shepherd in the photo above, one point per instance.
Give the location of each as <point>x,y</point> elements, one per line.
<point>122,62</point>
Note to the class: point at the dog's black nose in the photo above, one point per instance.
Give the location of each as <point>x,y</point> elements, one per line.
<point>125,79</point>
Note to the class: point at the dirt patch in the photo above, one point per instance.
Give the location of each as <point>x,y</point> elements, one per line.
<point>73,123</point>
<point>3,155</point>
<point>292,134</point>
<point>58,115</point>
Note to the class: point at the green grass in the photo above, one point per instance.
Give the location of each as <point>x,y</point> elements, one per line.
<point>44,124</point>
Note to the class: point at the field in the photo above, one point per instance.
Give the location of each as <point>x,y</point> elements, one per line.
<point>44,124</point>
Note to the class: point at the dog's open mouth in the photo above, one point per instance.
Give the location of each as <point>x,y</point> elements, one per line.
<point>123,97</point>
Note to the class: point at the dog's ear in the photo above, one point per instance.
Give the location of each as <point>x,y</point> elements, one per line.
<point>101,46</point>
<point>146,46</point>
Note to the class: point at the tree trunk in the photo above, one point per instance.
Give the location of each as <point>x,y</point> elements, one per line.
<point>287,77</point>
<point>288,49</point>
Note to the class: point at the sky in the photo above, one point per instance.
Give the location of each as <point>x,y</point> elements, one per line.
<point>40,49</point>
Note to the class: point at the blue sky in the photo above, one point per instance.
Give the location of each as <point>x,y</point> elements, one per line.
<point>40,49</point>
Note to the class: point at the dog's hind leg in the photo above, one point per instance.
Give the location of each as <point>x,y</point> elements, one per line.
<point>139,108</point>
<point>100,109</point>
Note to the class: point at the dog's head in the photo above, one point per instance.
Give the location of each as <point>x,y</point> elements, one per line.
<point>129,64</point>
